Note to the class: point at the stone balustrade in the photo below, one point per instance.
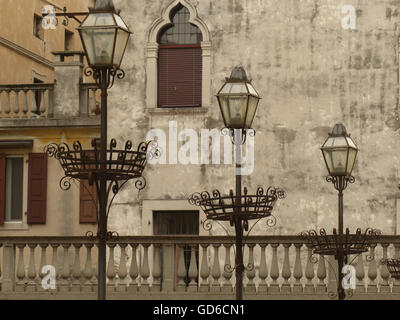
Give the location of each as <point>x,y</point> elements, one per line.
<point>36,101</point>
<point>27,101</point>
<point>187,267</point>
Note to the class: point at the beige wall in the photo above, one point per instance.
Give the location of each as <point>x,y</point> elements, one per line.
<point>16,25</point>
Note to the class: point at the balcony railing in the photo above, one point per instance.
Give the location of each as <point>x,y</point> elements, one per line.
<point>184,267</point>
<point>26,101</point>
<point>36,101</point>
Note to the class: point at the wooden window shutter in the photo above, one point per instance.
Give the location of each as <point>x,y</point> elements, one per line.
<point>37,188</point>
<point>2,187</point>
<point>87,202</point>
<point>180,76</point>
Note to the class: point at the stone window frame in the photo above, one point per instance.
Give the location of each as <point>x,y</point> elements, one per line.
<point>148,206</point>
<point>152,57</point>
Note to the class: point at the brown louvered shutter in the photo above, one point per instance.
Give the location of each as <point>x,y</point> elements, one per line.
<point>88,200</point>
<point>2,187</point>
<point>179,76</point>
<point>37,188</point>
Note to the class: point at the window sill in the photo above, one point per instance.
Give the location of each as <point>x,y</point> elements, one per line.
<point>15,226</point>
<point>177,111</point>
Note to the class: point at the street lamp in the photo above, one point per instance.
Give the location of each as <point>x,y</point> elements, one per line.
<point>104,38</point>
<point>340,153</point>
<point>238,101</point>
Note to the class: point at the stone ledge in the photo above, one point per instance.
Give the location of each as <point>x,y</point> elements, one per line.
<point>177,111</point>
<point>83,122</point>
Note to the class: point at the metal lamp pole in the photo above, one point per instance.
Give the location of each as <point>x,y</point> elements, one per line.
<point>340,258</point>
<point>238,218</point>
<point>103,189</point>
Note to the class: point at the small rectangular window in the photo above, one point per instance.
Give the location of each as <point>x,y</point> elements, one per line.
<point>38,30</point>
<point>69,44</point>
<point>14,188</point>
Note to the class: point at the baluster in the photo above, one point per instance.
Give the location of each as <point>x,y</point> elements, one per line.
<point>42,264</point>
<point>309,287</point>
<point>227,274</point>
<point>122,272</point>
<point>251,272</point>
<point>54,260</point>
<point>16,109</point>
<point>88,271</point>
<point>25,103</point>
<point>396,283</point>
<point>133,270</point>
<point>263,271</point>
<point>20,286</point>
<point>7,106</point>
<point>181,272</point>
<point>144,269</point>
<point>111,269</point>
<point>372,271</point>
<point>286,273</point>
<point>204,270</point>
<point>31,287</point>
<point>298,270</point>
<point>216,272</point>
<point>156,286</point>
<point>321,274</point>
<point>34,107</point>
<point>42,107</point>
<point>65,274</point>
<point>274,287</point>
<point>360,275</point>
<point>76,269</point>
<point>192,270</point>
<point>384,283</point>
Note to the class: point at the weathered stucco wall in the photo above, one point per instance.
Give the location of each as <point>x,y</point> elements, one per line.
<point>311,74</point>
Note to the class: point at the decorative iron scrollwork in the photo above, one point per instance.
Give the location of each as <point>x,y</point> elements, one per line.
<point>393,265</point>
<point>231,133</point>
<point>340,182</point>
<point>346,244</point>
<point>246,207</point>
<point>104,77</point>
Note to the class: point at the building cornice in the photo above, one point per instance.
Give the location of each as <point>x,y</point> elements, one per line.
<point>27,53</point>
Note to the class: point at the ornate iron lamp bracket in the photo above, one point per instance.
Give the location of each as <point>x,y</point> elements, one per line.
<point>340,182</point>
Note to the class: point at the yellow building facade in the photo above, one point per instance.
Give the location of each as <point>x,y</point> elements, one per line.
<point>26,47</point>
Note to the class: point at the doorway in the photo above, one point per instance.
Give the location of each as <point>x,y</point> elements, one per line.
<point>178,223</point>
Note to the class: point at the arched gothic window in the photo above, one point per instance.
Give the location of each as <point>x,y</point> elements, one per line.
<point>180,62</point>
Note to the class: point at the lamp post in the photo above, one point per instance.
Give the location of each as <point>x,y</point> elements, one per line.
<point>104,37</point>
<point>238,101</point>
<point>340,153</point>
